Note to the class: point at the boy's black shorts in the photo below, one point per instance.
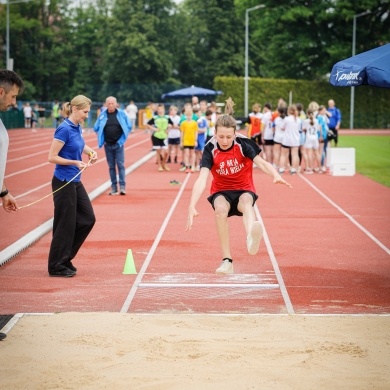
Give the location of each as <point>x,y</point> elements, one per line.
<point>233,198</point>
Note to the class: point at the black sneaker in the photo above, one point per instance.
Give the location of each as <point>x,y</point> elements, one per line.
<point>123,191</point>
<point>71,266</point>
<point>3,336</point>
<point>65,273</point>
<point>114,192</point>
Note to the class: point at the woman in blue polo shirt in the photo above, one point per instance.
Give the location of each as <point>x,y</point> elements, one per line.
<point>74,217</point>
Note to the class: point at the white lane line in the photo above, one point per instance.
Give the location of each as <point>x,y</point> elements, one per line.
<point>278,274</point>
<point>260,315</point>
<point>29,147</point>
<point>362,228</point>
<point>133,290</point>
<point>27,170</point>
<point>208,285</point>
<point>13,321</point>
<point>32,190</point>
<point>27,156</point>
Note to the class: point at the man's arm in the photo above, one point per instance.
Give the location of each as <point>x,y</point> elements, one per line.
<point>338,119</point>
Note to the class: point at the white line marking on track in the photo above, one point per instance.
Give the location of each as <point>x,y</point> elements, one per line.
<point>283,289</point>
<point>145,265</point>
<point>363,229</point>
<point>32,190</point>
<point>13,321</point>
<point>207,285</point>
<point>27,156</point>
<point>27,170</point>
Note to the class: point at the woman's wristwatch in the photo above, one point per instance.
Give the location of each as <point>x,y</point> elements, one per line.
<point>4,193</point>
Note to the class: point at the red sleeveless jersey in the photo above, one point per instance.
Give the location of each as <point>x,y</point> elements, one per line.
<point>231,169</point>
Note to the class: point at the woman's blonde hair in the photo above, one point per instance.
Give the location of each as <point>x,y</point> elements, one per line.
<point>79,101</point>
<point>227,120</point>
<point>313,106</point>
<point>292,110</point>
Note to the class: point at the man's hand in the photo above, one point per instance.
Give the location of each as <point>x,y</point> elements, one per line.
<point>9,203</point>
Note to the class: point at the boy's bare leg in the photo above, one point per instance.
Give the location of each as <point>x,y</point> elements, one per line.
<point>253,228</point>
<point>222,207</point>
<point>245,207</point>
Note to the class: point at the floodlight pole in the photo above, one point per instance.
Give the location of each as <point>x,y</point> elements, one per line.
<point>7,47</point>
<point>352,101</point>
<point>7,64</point>
<point>246,78</point>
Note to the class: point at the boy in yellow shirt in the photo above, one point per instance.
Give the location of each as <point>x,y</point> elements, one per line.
<point>189,135</point>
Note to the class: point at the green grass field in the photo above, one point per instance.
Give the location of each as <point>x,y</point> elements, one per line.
<point>372,155</point>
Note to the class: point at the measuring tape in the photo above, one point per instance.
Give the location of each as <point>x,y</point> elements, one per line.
<point>58,189</point>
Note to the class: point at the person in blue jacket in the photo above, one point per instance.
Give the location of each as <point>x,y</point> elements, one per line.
<point>113,127</point>
<point>334,115</point>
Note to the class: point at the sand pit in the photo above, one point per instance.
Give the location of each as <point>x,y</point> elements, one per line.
<point>178,351</point>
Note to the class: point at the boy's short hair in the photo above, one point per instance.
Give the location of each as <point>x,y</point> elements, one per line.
<point>208,112</point>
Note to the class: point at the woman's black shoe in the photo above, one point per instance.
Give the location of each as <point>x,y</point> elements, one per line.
<point>64,273</point>
<point>2,336</point>
<point>71,266</point>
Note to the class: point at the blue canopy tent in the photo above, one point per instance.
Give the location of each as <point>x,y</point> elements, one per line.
<point>189,92</point>
<point>371,68</point>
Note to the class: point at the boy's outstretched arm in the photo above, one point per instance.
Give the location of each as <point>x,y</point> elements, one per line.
<point>197,191</point>
<point>267,168</point>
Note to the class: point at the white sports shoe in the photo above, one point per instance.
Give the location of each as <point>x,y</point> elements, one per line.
<point>226,267</point>
<point>254,238</point>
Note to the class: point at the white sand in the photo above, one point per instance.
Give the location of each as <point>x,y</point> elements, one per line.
<point>176,351</point>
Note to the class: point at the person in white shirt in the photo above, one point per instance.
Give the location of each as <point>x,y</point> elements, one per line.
<point>292,125</point>
<point>267,133</point>
<point>214,116</point>
<point>27,112</point>
<point>174,134</point>
<point>131,111</point>
<point>312,129</point>
<point>278,134</point>
<point>10,86</point>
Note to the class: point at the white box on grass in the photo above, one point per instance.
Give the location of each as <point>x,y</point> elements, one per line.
<point>341,161</point>
<point>342,170</point>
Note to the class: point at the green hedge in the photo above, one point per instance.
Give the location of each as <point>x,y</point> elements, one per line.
<point>12,119</point>
<point>371,104</point>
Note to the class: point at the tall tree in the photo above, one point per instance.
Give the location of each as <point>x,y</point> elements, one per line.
<point>303,38</point>
<point>209,42</point>
<point>138,50</point>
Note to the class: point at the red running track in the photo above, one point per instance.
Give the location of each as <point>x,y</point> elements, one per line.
<point>325,251</point>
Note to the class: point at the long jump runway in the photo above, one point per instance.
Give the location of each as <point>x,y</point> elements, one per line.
<point>325,251</point>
